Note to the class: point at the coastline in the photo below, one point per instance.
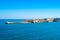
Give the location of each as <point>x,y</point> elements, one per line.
<point>34,21</point>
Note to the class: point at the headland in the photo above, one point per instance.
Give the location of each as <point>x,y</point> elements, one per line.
<point>36,20</point>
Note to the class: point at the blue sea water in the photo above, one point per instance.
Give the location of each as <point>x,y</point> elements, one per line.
<point>31,31</point>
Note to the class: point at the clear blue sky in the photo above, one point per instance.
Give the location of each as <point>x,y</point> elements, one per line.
<point>28,9</point>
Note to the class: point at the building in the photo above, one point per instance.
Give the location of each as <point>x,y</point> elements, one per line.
<point>38,20</point>
<point>50,19</point>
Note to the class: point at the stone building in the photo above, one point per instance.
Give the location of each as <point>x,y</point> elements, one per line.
<point>50,19</point>
<point>38,20</point>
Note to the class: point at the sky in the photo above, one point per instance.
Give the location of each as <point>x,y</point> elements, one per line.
<point>29,9</point>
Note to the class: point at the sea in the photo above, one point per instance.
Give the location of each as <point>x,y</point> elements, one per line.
<point>29,31</point>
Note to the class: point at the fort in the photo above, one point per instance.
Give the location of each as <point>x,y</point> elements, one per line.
<point>40,20</point>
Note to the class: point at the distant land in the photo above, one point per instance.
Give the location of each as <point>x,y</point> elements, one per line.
<point>37,20</point>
